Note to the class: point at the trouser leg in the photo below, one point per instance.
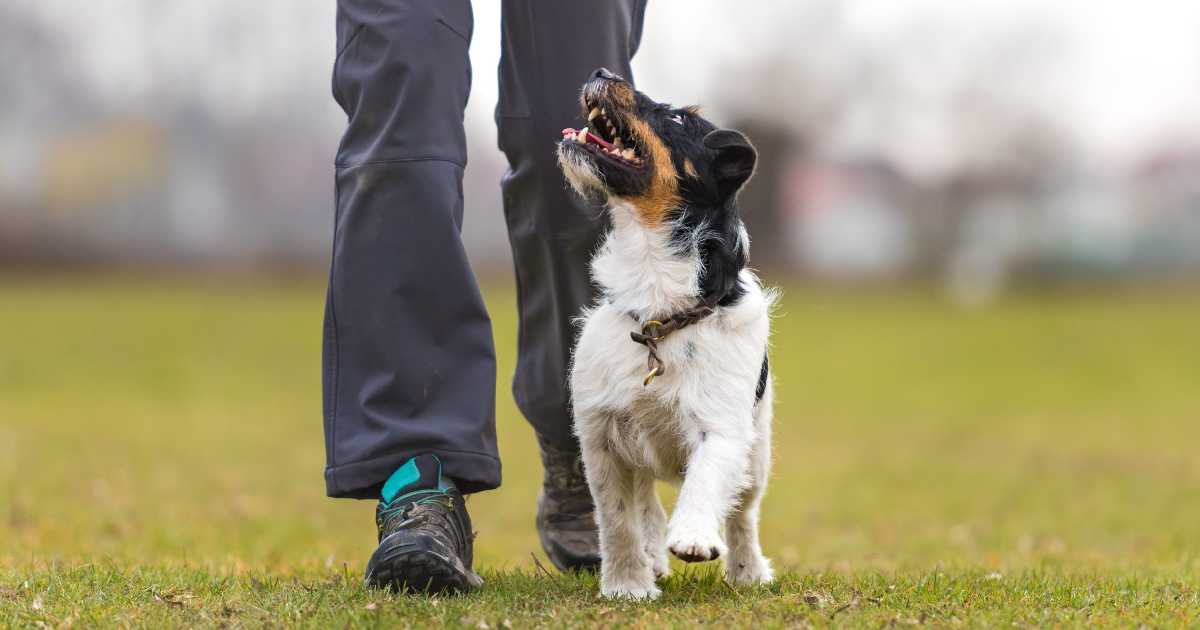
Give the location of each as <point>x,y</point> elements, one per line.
<point>408,360</point>
<point>548,50</point>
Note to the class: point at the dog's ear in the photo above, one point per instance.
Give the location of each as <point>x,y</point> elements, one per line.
<point>735,160</point>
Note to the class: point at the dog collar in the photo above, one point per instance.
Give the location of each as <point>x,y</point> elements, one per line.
<point>655,330</point>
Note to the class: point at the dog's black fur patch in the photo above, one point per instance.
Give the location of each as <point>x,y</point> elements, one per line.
<point>762,380</point>
<point>722,161</point>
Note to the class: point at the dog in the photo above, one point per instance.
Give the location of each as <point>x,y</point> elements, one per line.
<point>669,377</point>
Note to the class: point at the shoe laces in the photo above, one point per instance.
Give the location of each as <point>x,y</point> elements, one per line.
<point>402,504</point>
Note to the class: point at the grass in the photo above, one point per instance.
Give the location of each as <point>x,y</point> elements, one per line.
<point>1033,463</point>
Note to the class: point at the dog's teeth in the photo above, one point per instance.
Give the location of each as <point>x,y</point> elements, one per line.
<point>627,154</point>
<point>594,113</point>
<point>581,138</point>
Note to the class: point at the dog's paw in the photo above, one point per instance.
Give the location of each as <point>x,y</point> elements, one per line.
<point>749,570</point>
<point>629,589</point>
<point>660,564</point>
<point>695,545</point>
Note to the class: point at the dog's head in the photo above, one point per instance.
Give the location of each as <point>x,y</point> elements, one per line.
<point>650,154</point>
<point>668,164</point>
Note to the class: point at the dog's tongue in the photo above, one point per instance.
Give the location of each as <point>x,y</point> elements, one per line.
<point>587,137</point>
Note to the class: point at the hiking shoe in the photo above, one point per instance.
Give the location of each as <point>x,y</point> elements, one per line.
<point>566,521</point>
<point>424,532</point>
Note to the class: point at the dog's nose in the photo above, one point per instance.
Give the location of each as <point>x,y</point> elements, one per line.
<point>603,73</point>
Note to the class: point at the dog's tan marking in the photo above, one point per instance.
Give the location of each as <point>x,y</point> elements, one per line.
<point>621,94</point>
<point>690,169</point>
<point>663,192</point>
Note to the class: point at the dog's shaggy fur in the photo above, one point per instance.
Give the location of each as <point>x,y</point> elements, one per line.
<point>669,180</point>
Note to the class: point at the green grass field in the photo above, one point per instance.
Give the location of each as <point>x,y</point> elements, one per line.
<point>1036,463</point>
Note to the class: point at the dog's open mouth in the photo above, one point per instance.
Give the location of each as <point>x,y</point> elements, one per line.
<point>605,137</point>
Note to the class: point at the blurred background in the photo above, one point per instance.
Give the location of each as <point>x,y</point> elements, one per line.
<point>970,143</point>
<point>985,215</point>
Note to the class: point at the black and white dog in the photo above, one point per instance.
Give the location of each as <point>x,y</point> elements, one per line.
<point>669,378</point>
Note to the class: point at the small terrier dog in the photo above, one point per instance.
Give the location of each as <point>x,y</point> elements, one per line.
<point>670,377</point>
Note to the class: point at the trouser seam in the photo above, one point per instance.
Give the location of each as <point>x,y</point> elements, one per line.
<point>333,331</point>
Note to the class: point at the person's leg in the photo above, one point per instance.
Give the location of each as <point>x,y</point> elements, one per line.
<point>548,50</point>
<point>409,377</point>
<point>408,361</point>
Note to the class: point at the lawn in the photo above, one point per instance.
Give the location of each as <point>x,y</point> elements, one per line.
<point>1032,463</point>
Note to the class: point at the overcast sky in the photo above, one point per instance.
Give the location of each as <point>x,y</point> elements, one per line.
<point>1132,68</point>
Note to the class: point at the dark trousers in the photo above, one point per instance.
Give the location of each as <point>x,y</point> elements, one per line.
<point>409,365</point>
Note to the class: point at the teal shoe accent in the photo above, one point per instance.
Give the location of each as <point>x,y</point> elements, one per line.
<point>404,476</point>
<point>420,476</point>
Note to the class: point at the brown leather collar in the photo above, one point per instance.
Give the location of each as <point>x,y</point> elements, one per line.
<point>655,330</point>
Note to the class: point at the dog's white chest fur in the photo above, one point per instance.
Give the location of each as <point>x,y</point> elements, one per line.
<point>700,422</point>
<point>709,383</point>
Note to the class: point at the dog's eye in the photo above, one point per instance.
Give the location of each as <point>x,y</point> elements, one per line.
<point>677,119</point>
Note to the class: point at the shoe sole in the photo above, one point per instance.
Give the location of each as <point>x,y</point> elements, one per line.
<point>411,563</point>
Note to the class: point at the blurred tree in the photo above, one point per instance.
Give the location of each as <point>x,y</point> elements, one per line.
<point>788,98</point>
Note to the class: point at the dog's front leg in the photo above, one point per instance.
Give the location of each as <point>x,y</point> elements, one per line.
<point>713,478</point>
<point>746,563</point>
<point>654,523</point>
<point>625,568</point>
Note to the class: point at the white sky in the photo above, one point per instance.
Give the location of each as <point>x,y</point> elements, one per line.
<point>1130,69</point>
